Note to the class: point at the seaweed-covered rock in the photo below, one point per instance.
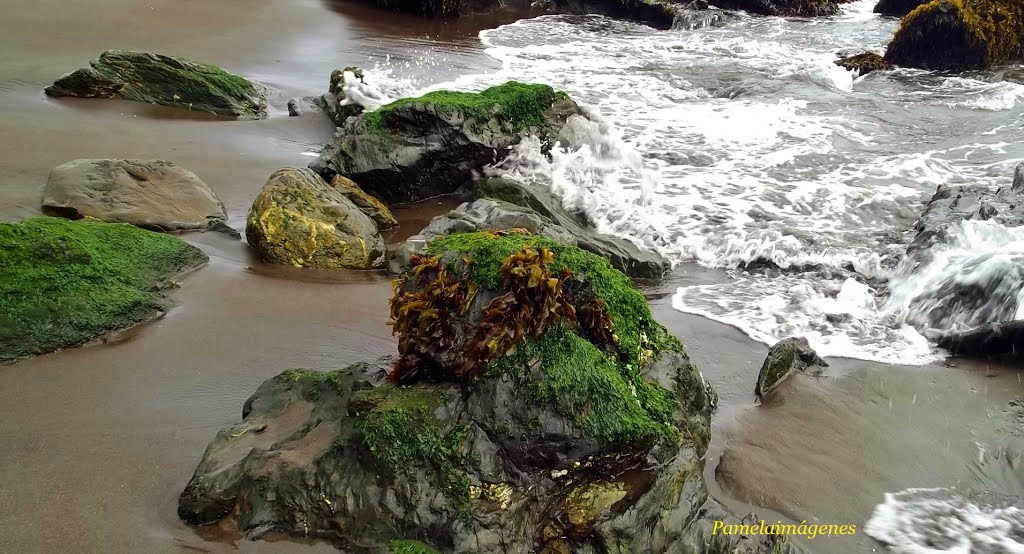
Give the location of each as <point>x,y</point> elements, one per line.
<point>898,8</point>
<point>958,35</point>
<point>378,212</point>
<point>166,80</point>
<point>64,283</point>
<point>416,148</point>
<point>153,194</point>
<point>624,255</point>
<point>535,406</point>
<point>784,358</point>
<point>863,62</point>
<point>297,219</point>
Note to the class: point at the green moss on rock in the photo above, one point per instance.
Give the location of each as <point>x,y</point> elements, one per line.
<point>515,104</point>
<point>64,283</point>
<point>407,546</point>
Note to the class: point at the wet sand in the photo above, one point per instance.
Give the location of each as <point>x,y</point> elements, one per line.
<point>99,441</point>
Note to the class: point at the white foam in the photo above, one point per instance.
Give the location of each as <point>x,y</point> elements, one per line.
<point>932,521</point>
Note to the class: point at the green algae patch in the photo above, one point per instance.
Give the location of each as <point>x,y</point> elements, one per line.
<point>519,105</point>
<point>399,428</point>
<point>64,283</point>
<point>192,81</point>
<point>407,546</point>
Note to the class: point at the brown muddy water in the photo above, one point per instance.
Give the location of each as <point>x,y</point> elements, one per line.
<point>97,442</point>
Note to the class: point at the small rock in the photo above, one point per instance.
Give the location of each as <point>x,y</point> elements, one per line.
<point>787,356</point>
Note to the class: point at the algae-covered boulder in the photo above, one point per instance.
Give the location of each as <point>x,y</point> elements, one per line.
<point>898,8</point>
<point>64,283</point>
<point>153,194</point>
<point>535,406</point>
<point>299,220</point>
<point>378,212</point>
<point>958,35</point>
<point>784,358</point>
<point>863,62</point>
<point>165,80</point>
<point>416,148</point>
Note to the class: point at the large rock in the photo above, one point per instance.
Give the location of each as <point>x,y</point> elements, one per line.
<point>535,406</point>
<point>297,219</point>
<point>378,212</point>
<point>659,14</point>
<point>165,80</point>
<point>1004,341</point>
<point>784,8</point>
<point>446,8</point>
<point>416,148</point>
<point>959,35</point>
<point>898,8</point>
<point>784,358</point>
<point>153,194</point>
<point>622,254</point>
<point>64,283</point>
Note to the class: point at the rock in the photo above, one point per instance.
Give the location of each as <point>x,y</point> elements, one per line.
<point>479,215</point>
<point>416,148</point>
<point>1004,341</point>
<point>656,13</point>
<point>863,63</point>
<point>787,356</point>
<point>152,194</point>
<point>624,255</point>
<point>558,433</point>
<point>959,35</point>
<point>783,8</point>
<point>165,80</point>
<point>898,8</point>
<point>446,8</point>
<point>64,283</point>
<point>378,212</point>
<point>297,219</point>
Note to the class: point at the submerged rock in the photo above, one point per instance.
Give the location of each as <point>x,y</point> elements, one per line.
<point>152,194</point>
<point>784,358</point>
<point>416,148</point>
<point>297,219</point>
<point>959,35</point>
<point>535,406</point>
<point>165,80</point>
<point>378,212</point>
<point>898,8</point>
<point>64,283</point>
<point>863,63</point>
<point>624,255</point>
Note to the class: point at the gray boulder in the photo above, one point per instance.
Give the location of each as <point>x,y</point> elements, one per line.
<point>784,358</point>
<point>416,148</point>
<point>153,194</point>
<point>299,220</point>
<point>165,80</point>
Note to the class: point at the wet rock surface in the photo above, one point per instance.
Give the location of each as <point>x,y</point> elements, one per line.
<point>784,358</point>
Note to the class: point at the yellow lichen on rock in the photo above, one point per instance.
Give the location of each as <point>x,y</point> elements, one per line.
<point>583,506</point>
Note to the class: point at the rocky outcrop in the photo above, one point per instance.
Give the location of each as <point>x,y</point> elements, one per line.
<point>535,406</point>
<point>1003,341</point>
<point>152,194</point>
<point>378,212</point>
<point>784,8</point>
<point>416,148</point>
<point>623,255</point>
<point>64,283</point>
<point>299,220</point>
<point>659,14</point>
<point>959,35</point>
<point>863,62</point>
<point>898,8</point>
<point>165,80</point>
<point>784,358</point>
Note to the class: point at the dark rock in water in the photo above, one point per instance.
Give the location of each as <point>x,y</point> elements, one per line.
<point>416,148</point>
<point>693,18</point>
<point>165,80</point>
<point>959,35</point>
<point>784,8</point>
<point>444,8</point>
<point>152,194</point>
<point>64,283</point>
<point>567,439</point>
<point>898,8</point>
<point>624,255</point>
<point>787,356</point>
<point>1003,341</point>
<point>659,14</point>
<point>299,220</point>
<point>863,63</point>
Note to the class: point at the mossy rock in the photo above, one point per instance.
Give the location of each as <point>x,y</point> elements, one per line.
<point>959,35</point>
<point>64,283</point>
<point>785,358</point>
<point>299,220</point>
<point>416,148</point>
<point>378,212</point>
<point>863,63</point>
<point>165,80</point>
